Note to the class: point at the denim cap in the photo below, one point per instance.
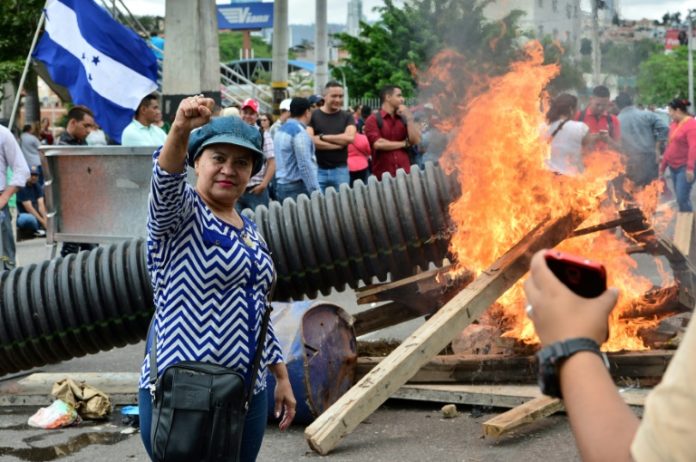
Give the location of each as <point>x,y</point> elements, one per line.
<point>226,130</point>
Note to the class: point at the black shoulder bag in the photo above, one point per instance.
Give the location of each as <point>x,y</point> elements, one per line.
<point>198,409</point>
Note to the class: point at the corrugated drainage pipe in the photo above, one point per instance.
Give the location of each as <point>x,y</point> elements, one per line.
<point>98,300</point>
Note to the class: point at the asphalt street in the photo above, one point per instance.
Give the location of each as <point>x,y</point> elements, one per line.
<point>398,431</point>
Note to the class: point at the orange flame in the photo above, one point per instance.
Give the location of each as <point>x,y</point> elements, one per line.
<point>499,155</point>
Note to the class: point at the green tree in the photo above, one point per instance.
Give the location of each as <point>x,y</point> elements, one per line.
<point>405,39</point>
<point>663,77</point>
<point>18,21</point>
<point>570,76</point>
<point>387,51</point>
<point>624,60</point>
<point>231,43</point>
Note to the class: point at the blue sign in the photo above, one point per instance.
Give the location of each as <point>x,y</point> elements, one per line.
<point>245,16</point>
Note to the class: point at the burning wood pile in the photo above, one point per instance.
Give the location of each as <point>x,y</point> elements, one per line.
<point>511,206</point>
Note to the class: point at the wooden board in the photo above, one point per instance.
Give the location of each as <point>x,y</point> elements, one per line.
<point>507,396</point>
<point>377,386</point>
<point>35,389</point>
<point>531,411</point>
<point>388,315</point>
<point>645,367</point>
<point>378,292</point>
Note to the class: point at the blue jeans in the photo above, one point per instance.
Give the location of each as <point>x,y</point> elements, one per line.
<point>682,189</point>
<point>251,201</point>
<point>254,425</point>
<point>332,177</point>
<point>27,221</point>
<point>7,243</point>
<point>290,190</point>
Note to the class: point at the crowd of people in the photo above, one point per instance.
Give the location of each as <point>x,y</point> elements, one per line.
<point>245,158</point>
<point>315,144</point>
<point>651,146</point>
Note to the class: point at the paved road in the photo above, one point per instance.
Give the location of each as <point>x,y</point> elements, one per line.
<point>398,431</point>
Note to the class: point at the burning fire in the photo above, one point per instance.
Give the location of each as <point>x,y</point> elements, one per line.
<point>499,155</point>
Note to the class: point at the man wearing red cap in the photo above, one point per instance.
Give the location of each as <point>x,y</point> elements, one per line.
<point>257,189</point>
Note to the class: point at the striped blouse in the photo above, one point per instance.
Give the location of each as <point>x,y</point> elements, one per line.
<point>209,281</point>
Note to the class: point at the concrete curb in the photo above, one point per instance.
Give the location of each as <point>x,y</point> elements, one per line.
<point>35,389</point>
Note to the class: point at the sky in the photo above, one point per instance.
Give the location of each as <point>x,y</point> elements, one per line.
<point>302,11</point>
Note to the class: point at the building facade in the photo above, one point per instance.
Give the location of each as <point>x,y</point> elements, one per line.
<point>559,19</point>
<point>355,15</point>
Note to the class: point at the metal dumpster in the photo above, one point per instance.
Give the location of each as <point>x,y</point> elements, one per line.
<point>96,194</point>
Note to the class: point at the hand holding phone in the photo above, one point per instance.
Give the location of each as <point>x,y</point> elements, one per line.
<point>584,277</point>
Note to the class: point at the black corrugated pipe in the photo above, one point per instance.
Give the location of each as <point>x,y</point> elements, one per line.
<point>69,307</point>
<point>98,300</point>
<point>352,235</point>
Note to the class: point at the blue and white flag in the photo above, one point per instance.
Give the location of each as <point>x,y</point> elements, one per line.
<point>103,64</point>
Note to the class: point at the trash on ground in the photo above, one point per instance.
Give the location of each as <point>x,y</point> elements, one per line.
<point>91,403</point>
<point>130,415</point>
<point>59,414</point>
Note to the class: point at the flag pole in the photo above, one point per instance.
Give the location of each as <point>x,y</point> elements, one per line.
<point>26,68</point>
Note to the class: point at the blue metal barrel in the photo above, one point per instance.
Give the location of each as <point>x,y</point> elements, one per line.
<point>320,351</point>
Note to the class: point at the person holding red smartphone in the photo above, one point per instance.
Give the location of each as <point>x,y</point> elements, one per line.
<point>570,327</point>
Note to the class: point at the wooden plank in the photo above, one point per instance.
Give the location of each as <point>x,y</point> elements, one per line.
<point>388,315</point>
<point>35,389</point>
<point>506,396</point>
<point>417,298</point>
<point>526,413</point>
<point>377,292</point>
<point>646,367</point>
<point>373,389</point>
<point>683,233</point>
<point>466,369</point>
<point>623,220</point>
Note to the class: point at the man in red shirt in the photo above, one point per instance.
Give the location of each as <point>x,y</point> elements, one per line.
<point>397,131</point>
<point>605,128</point>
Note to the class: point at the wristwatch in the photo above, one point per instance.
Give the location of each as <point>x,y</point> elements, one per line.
<point>552,356</point>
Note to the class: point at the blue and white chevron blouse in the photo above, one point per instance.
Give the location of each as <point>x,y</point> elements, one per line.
<point>209,281</point>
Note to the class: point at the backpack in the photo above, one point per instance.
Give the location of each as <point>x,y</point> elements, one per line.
<point>412,150</point>
<point>610,121</point>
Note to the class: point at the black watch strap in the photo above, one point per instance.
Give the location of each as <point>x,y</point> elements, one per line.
<point>551,357</point>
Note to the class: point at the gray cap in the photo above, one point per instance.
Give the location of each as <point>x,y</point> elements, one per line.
<point>226,130</point>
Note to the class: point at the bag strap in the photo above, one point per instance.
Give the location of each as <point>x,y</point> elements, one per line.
<point>558,129</point>
<point>260,347</point>
<point>257,355</point>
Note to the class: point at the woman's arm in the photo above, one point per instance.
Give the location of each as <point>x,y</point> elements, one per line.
<point>285,402</point>
<point>167,204</point>
<point>193,112</point>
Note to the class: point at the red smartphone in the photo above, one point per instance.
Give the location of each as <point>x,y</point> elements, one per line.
<point>584,277</point>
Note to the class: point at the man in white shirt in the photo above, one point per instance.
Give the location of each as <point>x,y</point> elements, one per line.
<point>10,156</point>
<point>142,131</point>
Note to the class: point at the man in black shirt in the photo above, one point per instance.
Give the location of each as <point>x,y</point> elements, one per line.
<point>80,124</point>
<point>332,129</point>
<point>31,209</point>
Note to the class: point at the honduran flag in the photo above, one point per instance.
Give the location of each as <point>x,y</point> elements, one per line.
<point>103,64</point>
